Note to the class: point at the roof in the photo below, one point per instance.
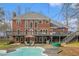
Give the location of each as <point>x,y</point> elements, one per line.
<point>33,15</point>
<point>58,24</point>
<point>38,16</point>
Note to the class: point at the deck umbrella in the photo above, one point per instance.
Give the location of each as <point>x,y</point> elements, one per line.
<point>31,37</point>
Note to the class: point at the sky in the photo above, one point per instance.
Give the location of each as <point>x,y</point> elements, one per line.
<point>51,10</point>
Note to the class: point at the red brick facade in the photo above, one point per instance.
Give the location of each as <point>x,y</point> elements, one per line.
<point>40,26</point>
<point>35,24</point>
<point>21,26</point>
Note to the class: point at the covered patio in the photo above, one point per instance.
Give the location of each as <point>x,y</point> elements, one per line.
<point>30,38</point>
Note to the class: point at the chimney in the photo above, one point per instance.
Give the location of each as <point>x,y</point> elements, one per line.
<point>14,14</point>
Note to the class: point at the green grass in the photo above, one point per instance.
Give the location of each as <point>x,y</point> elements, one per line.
<point>4,44</point>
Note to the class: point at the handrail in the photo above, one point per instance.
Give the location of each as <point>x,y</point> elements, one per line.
<point>69,37</point>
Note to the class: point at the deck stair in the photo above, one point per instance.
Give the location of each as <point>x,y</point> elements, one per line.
<point>69,37</point>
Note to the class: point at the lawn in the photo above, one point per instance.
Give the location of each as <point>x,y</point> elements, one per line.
<point>71,49</point>
<point>4,45</point>
<point>73,44</point>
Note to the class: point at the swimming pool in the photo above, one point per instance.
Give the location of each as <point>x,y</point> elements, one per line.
<point>27,51</point>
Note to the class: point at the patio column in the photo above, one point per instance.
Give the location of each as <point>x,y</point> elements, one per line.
<point>24,39</point>
<point>51,39</point>
<point>19,39</point>
<point>42,39</point>
<point>59,39</point>
<point>45,39</point>
<point>35,39</point>
<point>38,39</point>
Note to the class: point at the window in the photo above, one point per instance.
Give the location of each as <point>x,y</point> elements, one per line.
<point>26,31</point>
<point>17,39</point>
<point>26,23</point>
<point>18,21</point>
<point>40,31</point>
<point>21,39</point>
<point>35,24</point>
<point>46,31</point>
<point>46,21</point>
<point>31,25</point>
<point>35,31</point>
<point>43,30</point>
<point>18,31</point>
<point>39,21</point>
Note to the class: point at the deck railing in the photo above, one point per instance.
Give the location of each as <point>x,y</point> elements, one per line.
<point>11,33</point>
<point>15,33</point>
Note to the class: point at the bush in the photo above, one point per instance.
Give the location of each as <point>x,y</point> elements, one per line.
<point>57,44</point>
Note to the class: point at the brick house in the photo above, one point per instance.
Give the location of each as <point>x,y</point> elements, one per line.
<point>34,24</point>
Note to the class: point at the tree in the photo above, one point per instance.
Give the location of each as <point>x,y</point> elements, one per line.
<point>3,25</point>
<point>70,11</point>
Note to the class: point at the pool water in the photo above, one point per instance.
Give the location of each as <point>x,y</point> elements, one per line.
<point>24,51</point>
